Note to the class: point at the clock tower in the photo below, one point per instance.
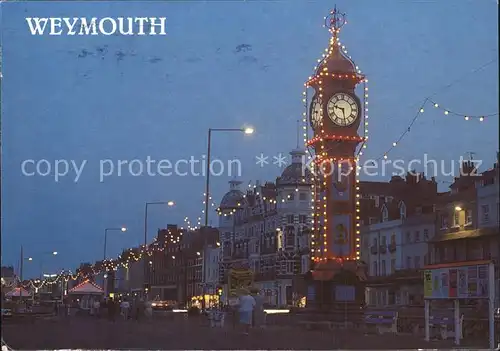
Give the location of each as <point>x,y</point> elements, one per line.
<point>335,114</point>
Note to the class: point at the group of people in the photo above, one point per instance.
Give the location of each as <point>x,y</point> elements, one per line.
<point>126,310</point>
<point>251,310</point>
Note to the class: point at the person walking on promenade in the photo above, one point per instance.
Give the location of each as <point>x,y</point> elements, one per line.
<point>111,309</point>
<point>246,306</point>
<point>125,307</point>
<point>259,316</point>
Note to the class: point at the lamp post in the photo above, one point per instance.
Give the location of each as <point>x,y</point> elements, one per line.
<point>122,229</point>
<point>53,253</point>
<point>21,265</point>
<point>169,204</point>
<point>247,130</point>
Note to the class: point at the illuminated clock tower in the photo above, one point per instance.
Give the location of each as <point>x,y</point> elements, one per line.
<point>335,114</point>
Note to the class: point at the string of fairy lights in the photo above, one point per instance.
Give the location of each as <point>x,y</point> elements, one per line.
<point>434,105</point>
<point>318,201</point>
<point>127,257</point>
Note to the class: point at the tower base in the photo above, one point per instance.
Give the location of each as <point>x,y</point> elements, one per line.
<point>336,291</point>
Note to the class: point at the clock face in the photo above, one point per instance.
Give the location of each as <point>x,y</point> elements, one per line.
<point>317,113</point>
<point>342,109</point>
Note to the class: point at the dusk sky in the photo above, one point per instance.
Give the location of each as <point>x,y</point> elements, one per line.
<point>223,64</point>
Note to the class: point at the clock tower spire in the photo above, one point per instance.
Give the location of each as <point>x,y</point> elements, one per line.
<point>335,114</point>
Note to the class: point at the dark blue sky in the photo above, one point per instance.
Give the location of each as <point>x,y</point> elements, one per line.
<point>133,97</point>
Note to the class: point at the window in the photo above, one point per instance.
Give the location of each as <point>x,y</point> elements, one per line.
<point>408,237</point>
<point>393,239</point>
<point>302,196</point>
<point>402,210</point>
<point>417,261</point>
<point>375,268</point>
<point>485,213</point>
<point>408,262</point>
<point>393,266</point>
<point>426,234</point>
<point>383,268</point>
<point>383,241</point>
<point>385,214</point>
<point>375,242</point>
<point>444,221</point>
<point>417,236</point>
<point>468,217</point>
<point>302,219</point>
<point>456,218</point>
<point>290,219</point>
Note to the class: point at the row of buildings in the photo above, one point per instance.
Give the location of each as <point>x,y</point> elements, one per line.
<point>406,223</point>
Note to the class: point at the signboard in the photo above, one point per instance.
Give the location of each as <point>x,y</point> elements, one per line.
<point>239,279</point>
<point>457,282</point>
<point>339,242</point>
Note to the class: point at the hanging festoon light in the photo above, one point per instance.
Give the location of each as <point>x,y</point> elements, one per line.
<point>446,111</point>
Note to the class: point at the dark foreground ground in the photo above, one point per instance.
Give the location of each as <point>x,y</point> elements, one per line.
<point>183,334</point>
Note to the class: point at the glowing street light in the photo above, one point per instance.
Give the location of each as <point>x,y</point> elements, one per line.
<point>248,130</point>
<point>121,229</point>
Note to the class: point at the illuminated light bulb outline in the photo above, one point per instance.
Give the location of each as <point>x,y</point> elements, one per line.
<point>421,110</point>
<point>334,21</point>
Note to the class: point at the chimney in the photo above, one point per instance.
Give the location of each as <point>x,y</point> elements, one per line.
<point>468,168</point>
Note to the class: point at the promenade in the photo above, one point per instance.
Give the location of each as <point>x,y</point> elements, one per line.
<point>161,333</point>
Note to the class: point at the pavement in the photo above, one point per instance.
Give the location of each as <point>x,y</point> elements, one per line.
<point>193,334</point>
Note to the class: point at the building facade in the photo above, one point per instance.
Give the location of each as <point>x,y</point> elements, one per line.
<point>266,229</point>
<point>398,223</point>
<point>176,264</point>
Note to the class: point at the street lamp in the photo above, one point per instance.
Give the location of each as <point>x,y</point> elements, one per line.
<point>53,253</point>
<point>122,229</point>
<point>169,204</point>
<point>247,131</point>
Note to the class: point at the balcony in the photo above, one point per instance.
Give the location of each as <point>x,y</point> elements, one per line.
<point>374,250</point>
<point>383,249</point>
<point>392,247</point>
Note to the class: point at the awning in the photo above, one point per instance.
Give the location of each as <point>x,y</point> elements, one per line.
<point>18,292</point>
<point>86,288</point>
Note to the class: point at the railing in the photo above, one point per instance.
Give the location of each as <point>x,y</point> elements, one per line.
<point>383,249</point>
<point>374,250</point>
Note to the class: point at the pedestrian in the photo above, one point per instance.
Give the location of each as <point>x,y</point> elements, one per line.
<point>258,313</point>
<point>139,310</point>
<point>246,305</point>
<point>148,310</point>
<point>97,308</point>
<point>111,309</point>
<point>125,306</point>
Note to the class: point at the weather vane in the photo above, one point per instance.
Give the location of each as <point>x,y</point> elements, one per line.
<point>335,20</point>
